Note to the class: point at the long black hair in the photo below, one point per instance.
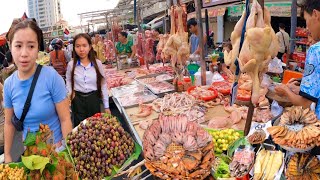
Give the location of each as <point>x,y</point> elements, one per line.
<point>92,58</point>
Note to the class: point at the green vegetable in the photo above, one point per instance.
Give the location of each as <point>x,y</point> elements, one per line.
<point>52,166</point>
<point>134,156</point>
<point>222,170</point>
<point>30,139</point>
<point>42,146</point>
<point>240,142</point>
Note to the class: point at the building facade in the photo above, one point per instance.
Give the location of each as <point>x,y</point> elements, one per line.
<point>46,12</point>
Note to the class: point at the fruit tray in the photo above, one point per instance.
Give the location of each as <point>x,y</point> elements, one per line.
<point>115,169</point>
<point>224,139</point>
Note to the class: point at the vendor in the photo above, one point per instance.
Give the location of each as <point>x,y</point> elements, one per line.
<point>227,46</point>
<point>86,83</point>
<point>309,93</point>
<point>49,104</point>
<point>98,47</point>
<point>194,38</point>
<point>124,46</point>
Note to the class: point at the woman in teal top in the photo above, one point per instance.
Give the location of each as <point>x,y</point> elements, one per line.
<point>124,46</point>
<point>49,104</point>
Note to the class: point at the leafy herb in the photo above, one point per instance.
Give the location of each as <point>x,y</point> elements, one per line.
<point>30,139</point>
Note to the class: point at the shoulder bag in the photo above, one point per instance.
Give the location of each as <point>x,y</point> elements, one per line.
<point>18,123</point>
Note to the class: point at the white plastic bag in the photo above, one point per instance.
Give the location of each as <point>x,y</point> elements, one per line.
<point>276,109</point>
<point>216,77</point>
<point>275,66</point>
<point>266,81</point>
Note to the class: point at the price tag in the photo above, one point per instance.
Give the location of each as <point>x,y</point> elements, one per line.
<point>234,93</point>
<point>235,84</point>
<point>260,126</point>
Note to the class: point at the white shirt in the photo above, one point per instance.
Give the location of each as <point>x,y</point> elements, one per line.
<point>282,35</point>
<point>85,79</point>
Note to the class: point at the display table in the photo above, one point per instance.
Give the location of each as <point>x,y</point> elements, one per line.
<point>133,122</point>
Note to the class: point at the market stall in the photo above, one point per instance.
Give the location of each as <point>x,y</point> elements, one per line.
<point>239,154</point>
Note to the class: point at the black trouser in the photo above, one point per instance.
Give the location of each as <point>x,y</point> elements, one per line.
<point>85,105</point>
<point>279,56</point>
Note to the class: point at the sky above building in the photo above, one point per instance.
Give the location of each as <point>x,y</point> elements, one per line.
<point>70,9</point>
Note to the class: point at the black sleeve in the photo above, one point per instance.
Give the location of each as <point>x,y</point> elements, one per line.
<point>307,96</point>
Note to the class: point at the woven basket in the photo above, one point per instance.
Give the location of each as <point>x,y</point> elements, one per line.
<point>171,170</point>
<point>176,162</point>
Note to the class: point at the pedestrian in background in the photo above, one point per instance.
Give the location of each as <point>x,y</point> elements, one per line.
<point>283,39</point>
<point>86,83</point>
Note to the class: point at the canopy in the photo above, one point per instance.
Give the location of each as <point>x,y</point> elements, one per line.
<point>156,22</point>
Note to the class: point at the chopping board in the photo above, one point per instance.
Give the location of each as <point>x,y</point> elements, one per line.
<point>134,119</point>
<point>218,111</point>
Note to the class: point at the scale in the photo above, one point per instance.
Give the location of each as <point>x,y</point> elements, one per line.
<point>110,63</point>
<point>123,62</point>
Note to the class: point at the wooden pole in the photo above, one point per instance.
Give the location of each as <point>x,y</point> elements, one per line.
<point>207,22</point>
<point>294,15</point>
<point>251,107</point>
<point>135,11</point>
<point>201,42</point>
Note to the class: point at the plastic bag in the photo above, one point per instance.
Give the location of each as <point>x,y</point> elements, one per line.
<point>217,77</point>
<point>242,162</point>
<point>266,81</point>
<point>276,109</point>
<point>62,147</point>
<point>275,66</point>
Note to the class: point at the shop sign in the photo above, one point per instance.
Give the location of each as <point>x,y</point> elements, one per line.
<point>207,3</point>
<point>280,9</point>
<point>214,12</point>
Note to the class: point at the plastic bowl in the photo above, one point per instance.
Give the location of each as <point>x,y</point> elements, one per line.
<point>205,98</point>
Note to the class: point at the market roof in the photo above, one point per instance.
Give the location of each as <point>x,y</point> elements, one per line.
<point>124,10</point>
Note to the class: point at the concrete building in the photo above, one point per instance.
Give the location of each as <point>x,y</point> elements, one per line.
<point>46,12</point>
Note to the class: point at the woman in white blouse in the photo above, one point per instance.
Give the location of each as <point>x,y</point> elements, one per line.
<point>86,83</point>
